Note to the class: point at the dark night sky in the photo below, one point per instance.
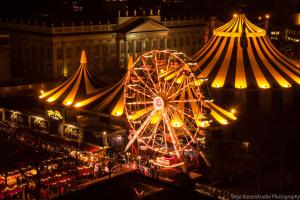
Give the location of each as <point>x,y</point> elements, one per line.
<point>223,9</point>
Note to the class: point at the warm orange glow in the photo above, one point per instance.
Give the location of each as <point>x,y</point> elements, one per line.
<point>67,103</point>
<point>42,91</point>
<point>235,15</point>
<point>50,99</point>
<point>83,57</point>
<point>267,16</point>
<point>233,111</point>
<point>77,105</point>
<point>118,113</point>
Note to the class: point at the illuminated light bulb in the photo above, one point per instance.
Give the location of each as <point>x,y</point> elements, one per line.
<point>217,86</point>
<point>77,105</point>
<point>267,16</point>
<point>224,122</point>
<point>118,113</point>
<point>235,15</point>
<point>67,103</point>
<point>233,111</point>
<point>50,99</point>
<point>259,18</point>
<point>42,91</point>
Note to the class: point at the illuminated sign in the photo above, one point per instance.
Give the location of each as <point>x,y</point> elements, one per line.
<point>54,114</point>
<point>16,117</point>
<point>71,132</point>
<point>39,123</point>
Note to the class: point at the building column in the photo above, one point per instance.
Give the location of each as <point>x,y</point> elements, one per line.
<point>142,46</point>
<point>165,43</point>
<point>118,48</point>
<point>134,50</point>
<point>126,53</point>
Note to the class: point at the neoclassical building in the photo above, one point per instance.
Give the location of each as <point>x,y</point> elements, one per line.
<point>5,73</point>
<point>51,49</point>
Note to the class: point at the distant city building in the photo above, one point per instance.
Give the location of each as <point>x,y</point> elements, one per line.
<point>5,59</point>
<point>51,50</point>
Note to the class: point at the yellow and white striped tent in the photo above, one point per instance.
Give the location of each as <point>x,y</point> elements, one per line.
<point>240,55</point>
<point>75,88</point>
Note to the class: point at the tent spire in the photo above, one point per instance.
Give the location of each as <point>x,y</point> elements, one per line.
<point>83,57</point>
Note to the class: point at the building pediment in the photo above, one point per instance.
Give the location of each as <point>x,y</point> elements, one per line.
<point>141,25</point>
<point>148,26</point>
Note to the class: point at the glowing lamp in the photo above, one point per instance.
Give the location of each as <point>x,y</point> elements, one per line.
<point>216,86</point>
<point>176,124</point>
<point>67,103</point>
<point>224,121</point>
<point>42,91</point>
<point>50,99</point>
<point>265,87</point>
<point>233,111</point>
<point>118,113</point>
<point>259,18</point>
<point>235,15</point>
<point>267,16</point>
<point>77,105</point>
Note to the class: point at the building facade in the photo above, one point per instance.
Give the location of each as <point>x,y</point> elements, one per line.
<point>5,59</point>
<point>48,50</point>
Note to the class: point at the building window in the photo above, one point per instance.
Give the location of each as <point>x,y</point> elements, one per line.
<point>200,39</point>
<point>122,47</point>
<point>49,53</point>
<point>26,51</point>
<point>194,40</point>
<point>169,43</point>
<point>187,41</point>
<point>181,42</point>
<point>33,51</point>
<point>113,48</point>
<point>69,52</point>
<point>42,52</point>
<point>59,53</point>
<point>104,48</point>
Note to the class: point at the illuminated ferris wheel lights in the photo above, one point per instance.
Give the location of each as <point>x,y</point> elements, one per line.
<point>176,123</point>
<point>209,100</point>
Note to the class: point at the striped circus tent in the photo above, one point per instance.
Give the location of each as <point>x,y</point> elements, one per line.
<point>109,99</point>
<point>240,55</point>
<point>75,88</point>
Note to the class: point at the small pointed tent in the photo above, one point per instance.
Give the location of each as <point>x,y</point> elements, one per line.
<point>240,55</point>
<point>79,85</point>
<point>109,99</point>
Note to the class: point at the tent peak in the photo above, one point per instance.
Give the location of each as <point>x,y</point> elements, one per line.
<point>83,57</point>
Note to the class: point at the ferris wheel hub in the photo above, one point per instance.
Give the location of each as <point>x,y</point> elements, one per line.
<point>158,103</point>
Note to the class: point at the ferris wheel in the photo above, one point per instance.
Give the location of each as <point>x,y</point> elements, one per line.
<point>164,103</point>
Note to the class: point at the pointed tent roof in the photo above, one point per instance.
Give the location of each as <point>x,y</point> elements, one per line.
<point>79,85</point>
<point>240,55</point>
<point>109,99</point>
